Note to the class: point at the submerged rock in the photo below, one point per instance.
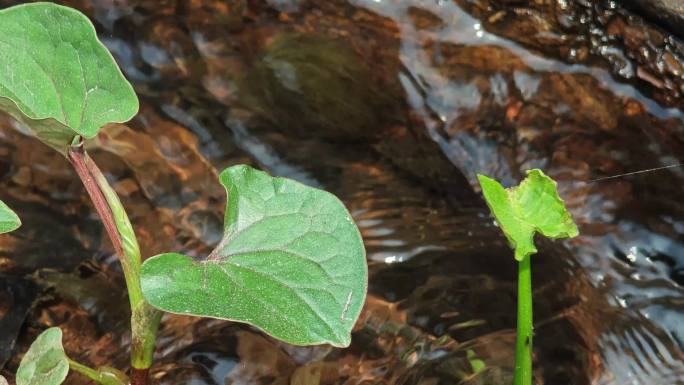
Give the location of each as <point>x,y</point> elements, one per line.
<point>311,86</point>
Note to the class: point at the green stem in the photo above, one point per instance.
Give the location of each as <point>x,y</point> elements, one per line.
<point>103,376</point>
<point>144,319</point>
<point>84,370</point>
<point>523,340</point>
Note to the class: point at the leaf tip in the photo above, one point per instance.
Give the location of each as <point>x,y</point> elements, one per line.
<point>483,179</point>
<point>235,173</point>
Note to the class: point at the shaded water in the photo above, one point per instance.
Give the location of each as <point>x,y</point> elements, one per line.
<point>394,106</point>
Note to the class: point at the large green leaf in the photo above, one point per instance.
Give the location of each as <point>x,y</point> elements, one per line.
<point>533,206</point>
<point>291,262</point>
<point>57,78</point>
<point>45,363</point>
<point>9,221</point>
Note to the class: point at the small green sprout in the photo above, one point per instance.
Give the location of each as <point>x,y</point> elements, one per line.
<point>533,206</point>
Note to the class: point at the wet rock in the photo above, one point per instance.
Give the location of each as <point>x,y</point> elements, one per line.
<point>668,12</point>
<point>590,104</point>
<point>424,19</point>
<point>581,32</point>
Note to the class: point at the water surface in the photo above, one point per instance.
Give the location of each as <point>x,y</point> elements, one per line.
<point>394,106</point>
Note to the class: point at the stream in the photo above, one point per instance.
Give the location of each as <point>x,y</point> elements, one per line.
<point>394,106</point>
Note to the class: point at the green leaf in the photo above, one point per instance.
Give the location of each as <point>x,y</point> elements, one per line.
<point>476,364</point>
<point>9,221</point>
<point>533,206</point>
<point>57,78</point>
<point>291,262</point>
<point>45,363</point>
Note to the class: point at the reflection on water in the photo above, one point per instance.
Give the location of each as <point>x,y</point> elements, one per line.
<point>393,105</point>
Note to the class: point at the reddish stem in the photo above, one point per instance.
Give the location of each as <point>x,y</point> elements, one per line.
<point>139,376</point>
<point>78,159</point>
<point>86,168</point>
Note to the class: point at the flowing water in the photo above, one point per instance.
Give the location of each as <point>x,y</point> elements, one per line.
<point>394,106</point>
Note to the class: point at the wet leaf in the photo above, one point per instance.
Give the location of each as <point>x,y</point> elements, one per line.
<point>9,221</point>
<point>45,363</point>
<point>57,78</point>
<point>291,262</point>
<point>533,206</point>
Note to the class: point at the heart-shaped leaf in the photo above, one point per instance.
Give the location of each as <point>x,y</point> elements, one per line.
<point>533,206</point>
<point>57,78</point>
<point>9,221</point>
<point>45,363</point>
<point>291,262</point>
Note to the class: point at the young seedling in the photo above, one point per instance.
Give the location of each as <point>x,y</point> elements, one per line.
<point>291,261</point>
<point>533,206</point>
<point>46,363</point>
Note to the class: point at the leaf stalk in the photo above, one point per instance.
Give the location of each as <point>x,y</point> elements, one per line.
<point>144,319</point>
<point>84,370</point>
<point>104,376</point>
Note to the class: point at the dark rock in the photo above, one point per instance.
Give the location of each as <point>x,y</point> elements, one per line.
<point>17,296</point>
<point>668,12</point>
